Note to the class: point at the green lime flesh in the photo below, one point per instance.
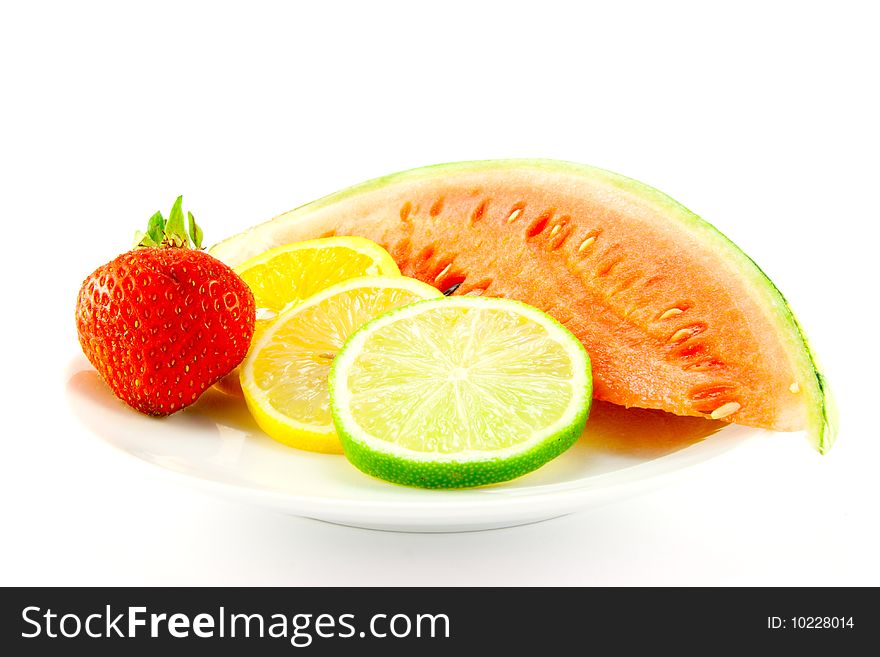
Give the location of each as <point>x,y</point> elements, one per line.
<point>459,392</point>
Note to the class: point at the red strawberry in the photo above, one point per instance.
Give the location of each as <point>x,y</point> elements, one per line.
<point>163,322</point>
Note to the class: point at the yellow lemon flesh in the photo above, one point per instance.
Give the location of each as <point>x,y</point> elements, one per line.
<point>284,378</point>
<point>282,277</point>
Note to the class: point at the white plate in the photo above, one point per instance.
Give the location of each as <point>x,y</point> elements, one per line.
<point>216,445</point>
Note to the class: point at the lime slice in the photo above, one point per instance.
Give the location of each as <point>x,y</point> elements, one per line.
<point>284,377</point>
<point>459,392</point>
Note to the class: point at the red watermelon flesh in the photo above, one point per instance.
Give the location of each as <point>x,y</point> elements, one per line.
<point>675,317</point>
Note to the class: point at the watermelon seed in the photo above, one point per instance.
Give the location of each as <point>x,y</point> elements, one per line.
<point>795,387</point>
<point>671,313</point>
<point>586,243</point>
<point>442,272</point>
<point>479,211</point>
<point>704,365</point>
<point>561,231</point>
<point>723,411</point>
<point>479,288</point>
<point>561,238</point>
<point>514,215</point>
<point>405,209</point>
<point>711,393</point>
<point>607,267</point>
<point>625,285</point>
<point>423,257</point>
<point>680,335</point>
<point>437,208</point>
<point>539,225</point>
<point>687,332</point>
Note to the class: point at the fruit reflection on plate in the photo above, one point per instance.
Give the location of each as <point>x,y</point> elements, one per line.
<point>216,445</point>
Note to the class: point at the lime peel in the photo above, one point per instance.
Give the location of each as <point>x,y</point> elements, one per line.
<point>492,351</point>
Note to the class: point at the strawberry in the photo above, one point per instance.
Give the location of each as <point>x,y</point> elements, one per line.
<point>163,322</point>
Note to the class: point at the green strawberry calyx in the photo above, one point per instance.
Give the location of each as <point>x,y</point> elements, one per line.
<point>171,232</point>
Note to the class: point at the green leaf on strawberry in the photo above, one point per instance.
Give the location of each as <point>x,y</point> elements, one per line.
<point>195,231</point>
<point>143,239</point>
<point>175,231</point>
<point>155,234</point>
<point>156,228</point>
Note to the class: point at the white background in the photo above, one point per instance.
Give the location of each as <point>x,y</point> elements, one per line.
<point>761,117</point>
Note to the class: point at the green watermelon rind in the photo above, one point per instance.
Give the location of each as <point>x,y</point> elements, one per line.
<point>822,427</point>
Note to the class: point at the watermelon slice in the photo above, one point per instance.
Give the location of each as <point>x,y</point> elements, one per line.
<point>675,317</point>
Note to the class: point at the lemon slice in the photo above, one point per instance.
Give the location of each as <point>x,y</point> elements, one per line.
<point>284,378</point>
<point>459,392</point>
<point>282,277</point>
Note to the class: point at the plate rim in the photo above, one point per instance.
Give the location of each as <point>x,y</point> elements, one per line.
<point>425,508</point>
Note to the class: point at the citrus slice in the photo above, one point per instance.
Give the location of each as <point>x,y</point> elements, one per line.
<point>459,392</point>
<point>284,378</point>
<point>284,276</point>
